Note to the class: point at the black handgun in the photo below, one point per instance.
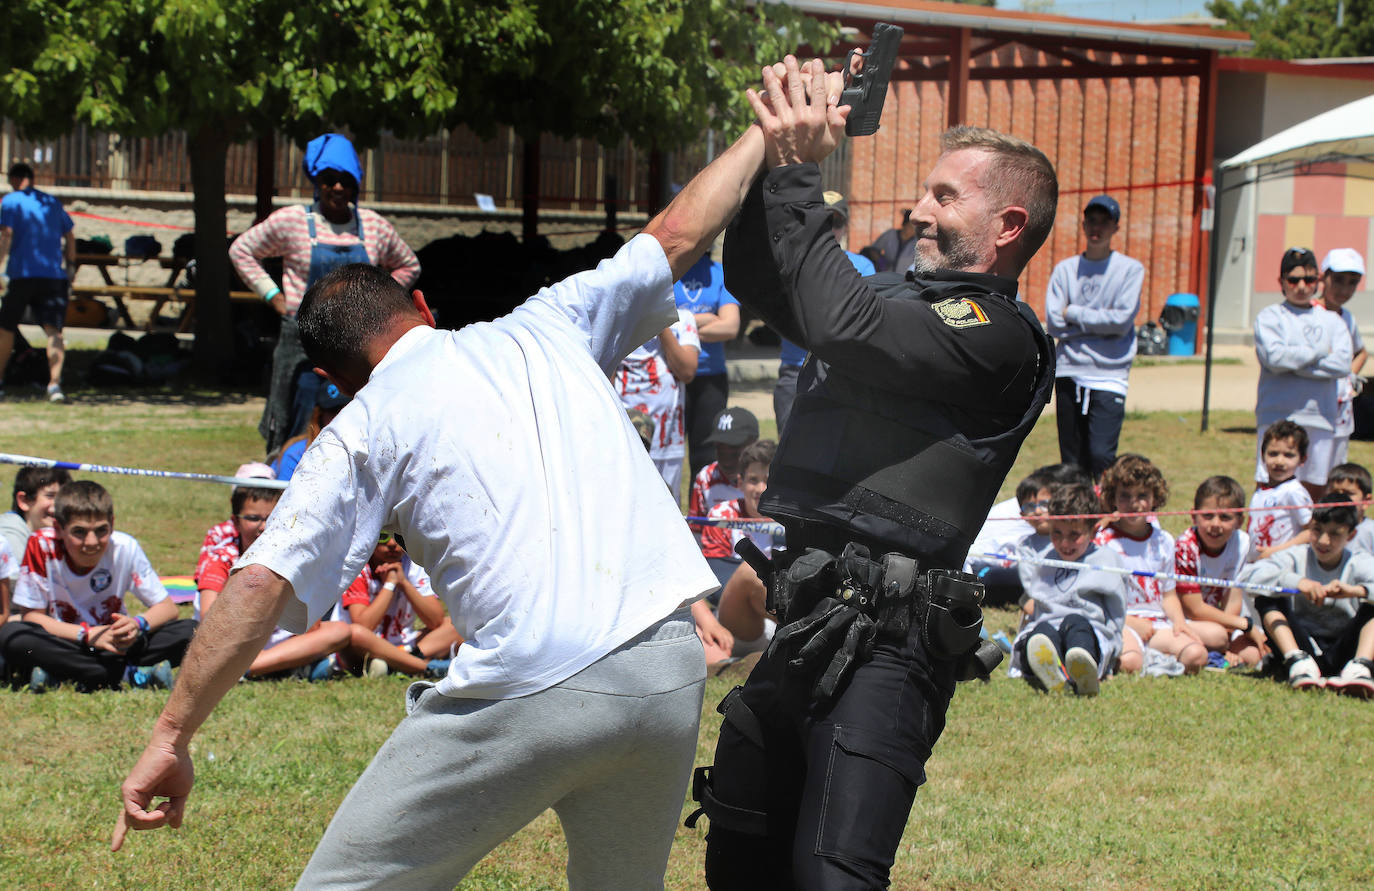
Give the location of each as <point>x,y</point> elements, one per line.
<point>865,80</point>
<point>750,553</point>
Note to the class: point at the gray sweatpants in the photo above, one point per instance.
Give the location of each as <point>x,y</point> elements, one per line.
<point>610,750</point>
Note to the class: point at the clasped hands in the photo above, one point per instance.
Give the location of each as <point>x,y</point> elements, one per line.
<point>801,122</point>
<point>1317,593</point>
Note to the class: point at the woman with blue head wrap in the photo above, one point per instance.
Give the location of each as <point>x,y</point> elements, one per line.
<point>312,240</point>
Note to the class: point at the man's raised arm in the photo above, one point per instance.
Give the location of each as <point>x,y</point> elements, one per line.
<point>688,225</point>
<point>232,634</point>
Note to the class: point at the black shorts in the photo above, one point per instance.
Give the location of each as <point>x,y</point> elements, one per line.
<point>47,296</point>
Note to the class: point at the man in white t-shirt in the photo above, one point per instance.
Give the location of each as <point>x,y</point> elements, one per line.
<point>502,454</point>
<point>652,379</point>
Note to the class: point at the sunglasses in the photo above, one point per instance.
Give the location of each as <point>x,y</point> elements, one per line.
<point>331,178</point>
<point>1301,279</point>
<point>1035,507</point>
<point>386,537</point>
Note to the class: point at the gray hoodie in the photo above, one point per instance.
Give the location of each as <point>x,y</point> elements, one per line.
<point>1291,565</point>
<point>1096,595</point>
<point>1090,310</point>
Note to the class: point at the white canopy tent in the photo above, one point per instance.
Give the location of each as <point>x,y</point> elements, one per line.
<point>1341,133</point>
<point>1345,133</point>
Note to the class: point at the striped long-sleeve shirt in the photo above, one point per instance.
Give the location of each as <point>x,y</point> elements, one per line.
<point>285,234</point>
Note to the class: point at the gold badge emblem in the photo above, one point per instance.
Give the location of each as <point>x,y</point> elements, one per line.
<point>960,312</point>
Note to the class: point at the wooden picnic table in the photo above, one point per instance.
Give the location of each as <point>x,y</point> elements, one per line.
<point>163,294</point>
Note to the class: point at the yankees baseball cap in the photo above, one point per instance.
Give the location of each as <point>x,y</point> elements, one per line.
<point>1295,257</point>
<point>734,427</point>
<point>1107,203</point>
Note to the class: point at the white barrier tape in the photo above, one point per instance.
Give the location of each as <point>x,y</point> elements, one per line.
<point>255,482</point>
<point>1141,573</point>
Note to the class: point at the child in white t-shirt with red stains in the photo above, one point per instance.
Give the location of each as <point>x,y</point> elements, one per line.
<point>382,605</point>
<point>1216,547</point>
<point>1283,449</point>
<point>1132,485</point>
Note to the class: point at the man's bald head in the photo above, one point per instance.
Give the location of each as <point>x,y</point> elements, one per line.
<point>348,309</point>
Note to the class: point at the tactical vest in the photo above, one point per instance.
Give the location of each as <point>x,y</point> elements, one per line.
<point>905,473</point>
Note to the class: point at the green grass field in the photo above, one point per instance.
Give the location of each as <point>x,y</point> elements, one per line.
<point>1218,781</point>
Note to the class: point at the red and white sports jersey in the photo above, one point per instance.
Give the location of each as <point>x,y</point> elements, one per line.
<point>709,488</point>
<point>217,555</point>
<point>47,582</point>
<point>1272,527</point>
<point>9,564</point>
<point>398,622</point>
<point>719,541</point>
<point>645,382</point>
<point>1191,559</point>
<point>1153,553</point>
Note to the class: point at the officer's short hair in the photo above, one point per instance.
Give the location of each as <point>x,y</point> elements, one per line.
<point>344,310</point>
<point>20,170</point>
<point>1020,174</point>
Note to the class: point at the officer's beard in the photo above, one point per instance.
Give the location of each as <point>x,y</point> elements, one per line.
<point>957,251</point>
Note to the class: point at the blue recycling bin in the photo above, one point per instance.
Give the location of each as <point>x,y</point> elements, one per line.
<point>1179,318</point>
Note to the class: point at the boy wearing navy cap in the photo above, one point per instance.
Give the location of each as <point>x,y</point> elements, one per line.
<point>1090,311</point>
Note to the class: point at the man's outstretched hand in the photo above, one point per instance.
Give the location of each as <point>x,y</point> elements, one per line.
<point>162,772</point>
<point>797,127</point>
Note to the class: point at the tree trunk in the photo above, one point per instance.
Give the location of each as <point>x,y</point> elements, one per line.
<point>529,175</point>
<point>266,182</point>
<point>209,148</point>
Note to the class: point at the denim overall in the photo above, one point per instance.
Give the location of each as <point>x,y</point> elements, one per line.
<point>294,384</point>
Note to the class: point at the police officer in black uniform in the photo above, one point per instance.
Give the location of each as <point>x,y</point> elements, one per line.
<point>920,389</point>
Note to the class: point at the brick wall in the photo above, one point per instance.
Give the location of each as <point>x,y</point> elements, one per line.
<point>1132,138</point>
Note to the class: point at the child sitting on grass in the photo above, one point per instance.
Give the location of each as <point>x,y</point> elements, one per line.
<point>1215,547</point>
<point>224,542</point>
<point>1353,481</point>
<point>1330,622</point>
<point>1076,615</point>
<point>71,590</point>
<point>1132,485</point>
<point>382,605</point>
<point>1003,535</point>
<point>31,508</point>
<point>1283,450</point>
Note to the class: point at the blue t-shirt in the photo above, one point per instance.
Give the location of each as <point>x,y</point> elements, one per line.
<point>285,465</point>
<point>702,289</point>
<point>791,353</point>
<point>39,223</point>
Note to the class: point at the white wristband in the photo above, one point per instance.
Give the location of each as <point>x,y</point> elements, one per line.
<point>389,586</point>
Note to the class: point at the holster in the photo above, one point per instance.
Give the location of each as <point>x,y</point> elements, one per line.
<point>833,609</point>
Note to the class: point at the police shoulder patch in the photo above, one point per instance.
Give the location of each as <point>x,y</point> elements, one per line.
<point>960,312</point>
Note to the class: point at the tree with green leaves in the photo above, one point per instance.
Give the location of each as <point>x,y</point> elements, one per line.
<point>1302,29</point>
<point>225,71</point>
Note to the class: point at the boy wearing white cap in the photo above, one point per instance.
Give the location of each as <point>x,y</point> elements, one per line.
<point>1342,270</point>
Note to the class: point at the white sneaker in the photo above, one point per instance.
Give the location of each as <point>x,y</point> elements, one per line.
<point>375,668</point>
<point>1082,668</point>
<point>55,393</point>
<point>1044,663</point>
<point>1355,680</point>
<point>1303,673</point>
